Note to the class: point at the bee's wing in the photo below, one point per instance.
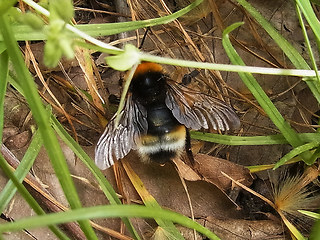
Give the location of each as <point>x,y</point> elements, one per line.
<point>197,110</point>
<point>116,143</point>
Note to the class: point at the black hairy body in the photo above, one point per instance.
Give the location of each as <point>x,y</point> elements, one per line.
<point>157,115</point>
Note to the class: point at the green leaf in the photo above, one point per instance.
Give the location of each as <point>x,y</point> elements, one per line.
<point>6,5</point>
<point>25,32</point>
<point>52,54</point>
<point>61,9</point>
<point>59,43</point>
<point>33,20</point>
<point>125,60</point>
<point>14,14</point>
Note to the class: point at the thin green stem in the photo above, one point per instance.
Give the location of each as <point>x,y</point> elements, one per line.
<point>111,49</point>
<point>228,67</point>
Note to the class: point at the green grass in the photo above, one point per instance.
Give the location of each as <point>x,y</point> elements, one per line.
<point>48,127</point>
<point>106,212</point>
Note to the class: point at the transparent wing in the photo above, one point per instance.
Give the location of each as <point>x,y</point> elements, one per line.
<point>116,143</point>
<point>197,110</point>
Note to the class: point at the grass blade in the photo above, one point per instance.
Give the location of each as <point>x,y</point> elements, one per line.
<point>296,151</point>
<point>310,16</point>
<point>292,53</point>
<point>262,98</point>
<point>251,140</point>
<point>42,117</point>
<point>106,212</point>
<point>4,68</point>
<point>305,34</point>
<point>103,183</point>
<point>310,214</point>
<point>151,202</point>
<point>26,163</point>
<point>27,196</point>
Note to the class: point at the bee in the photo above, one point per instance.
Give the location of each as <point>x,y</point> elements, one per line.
<point>156,117</point>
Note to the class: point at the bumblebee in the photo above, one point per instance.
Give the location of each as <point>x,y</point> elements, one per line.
<point>156,117</point>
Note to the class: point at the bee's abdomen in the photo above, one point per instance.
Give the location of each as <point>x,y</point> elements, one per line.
<point>160,120</point>
<point>165,138</point>
<point>162,148</point>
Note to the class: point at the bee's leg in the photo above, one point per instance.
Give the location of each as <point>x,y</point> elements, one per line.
<point>186,79</point>
<point>113,99</point>
<point>144,37</point>
<point>188,148</point>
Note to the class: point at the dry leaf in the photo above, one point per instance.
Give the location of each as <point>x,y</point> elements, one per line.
<point>209,169</point>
